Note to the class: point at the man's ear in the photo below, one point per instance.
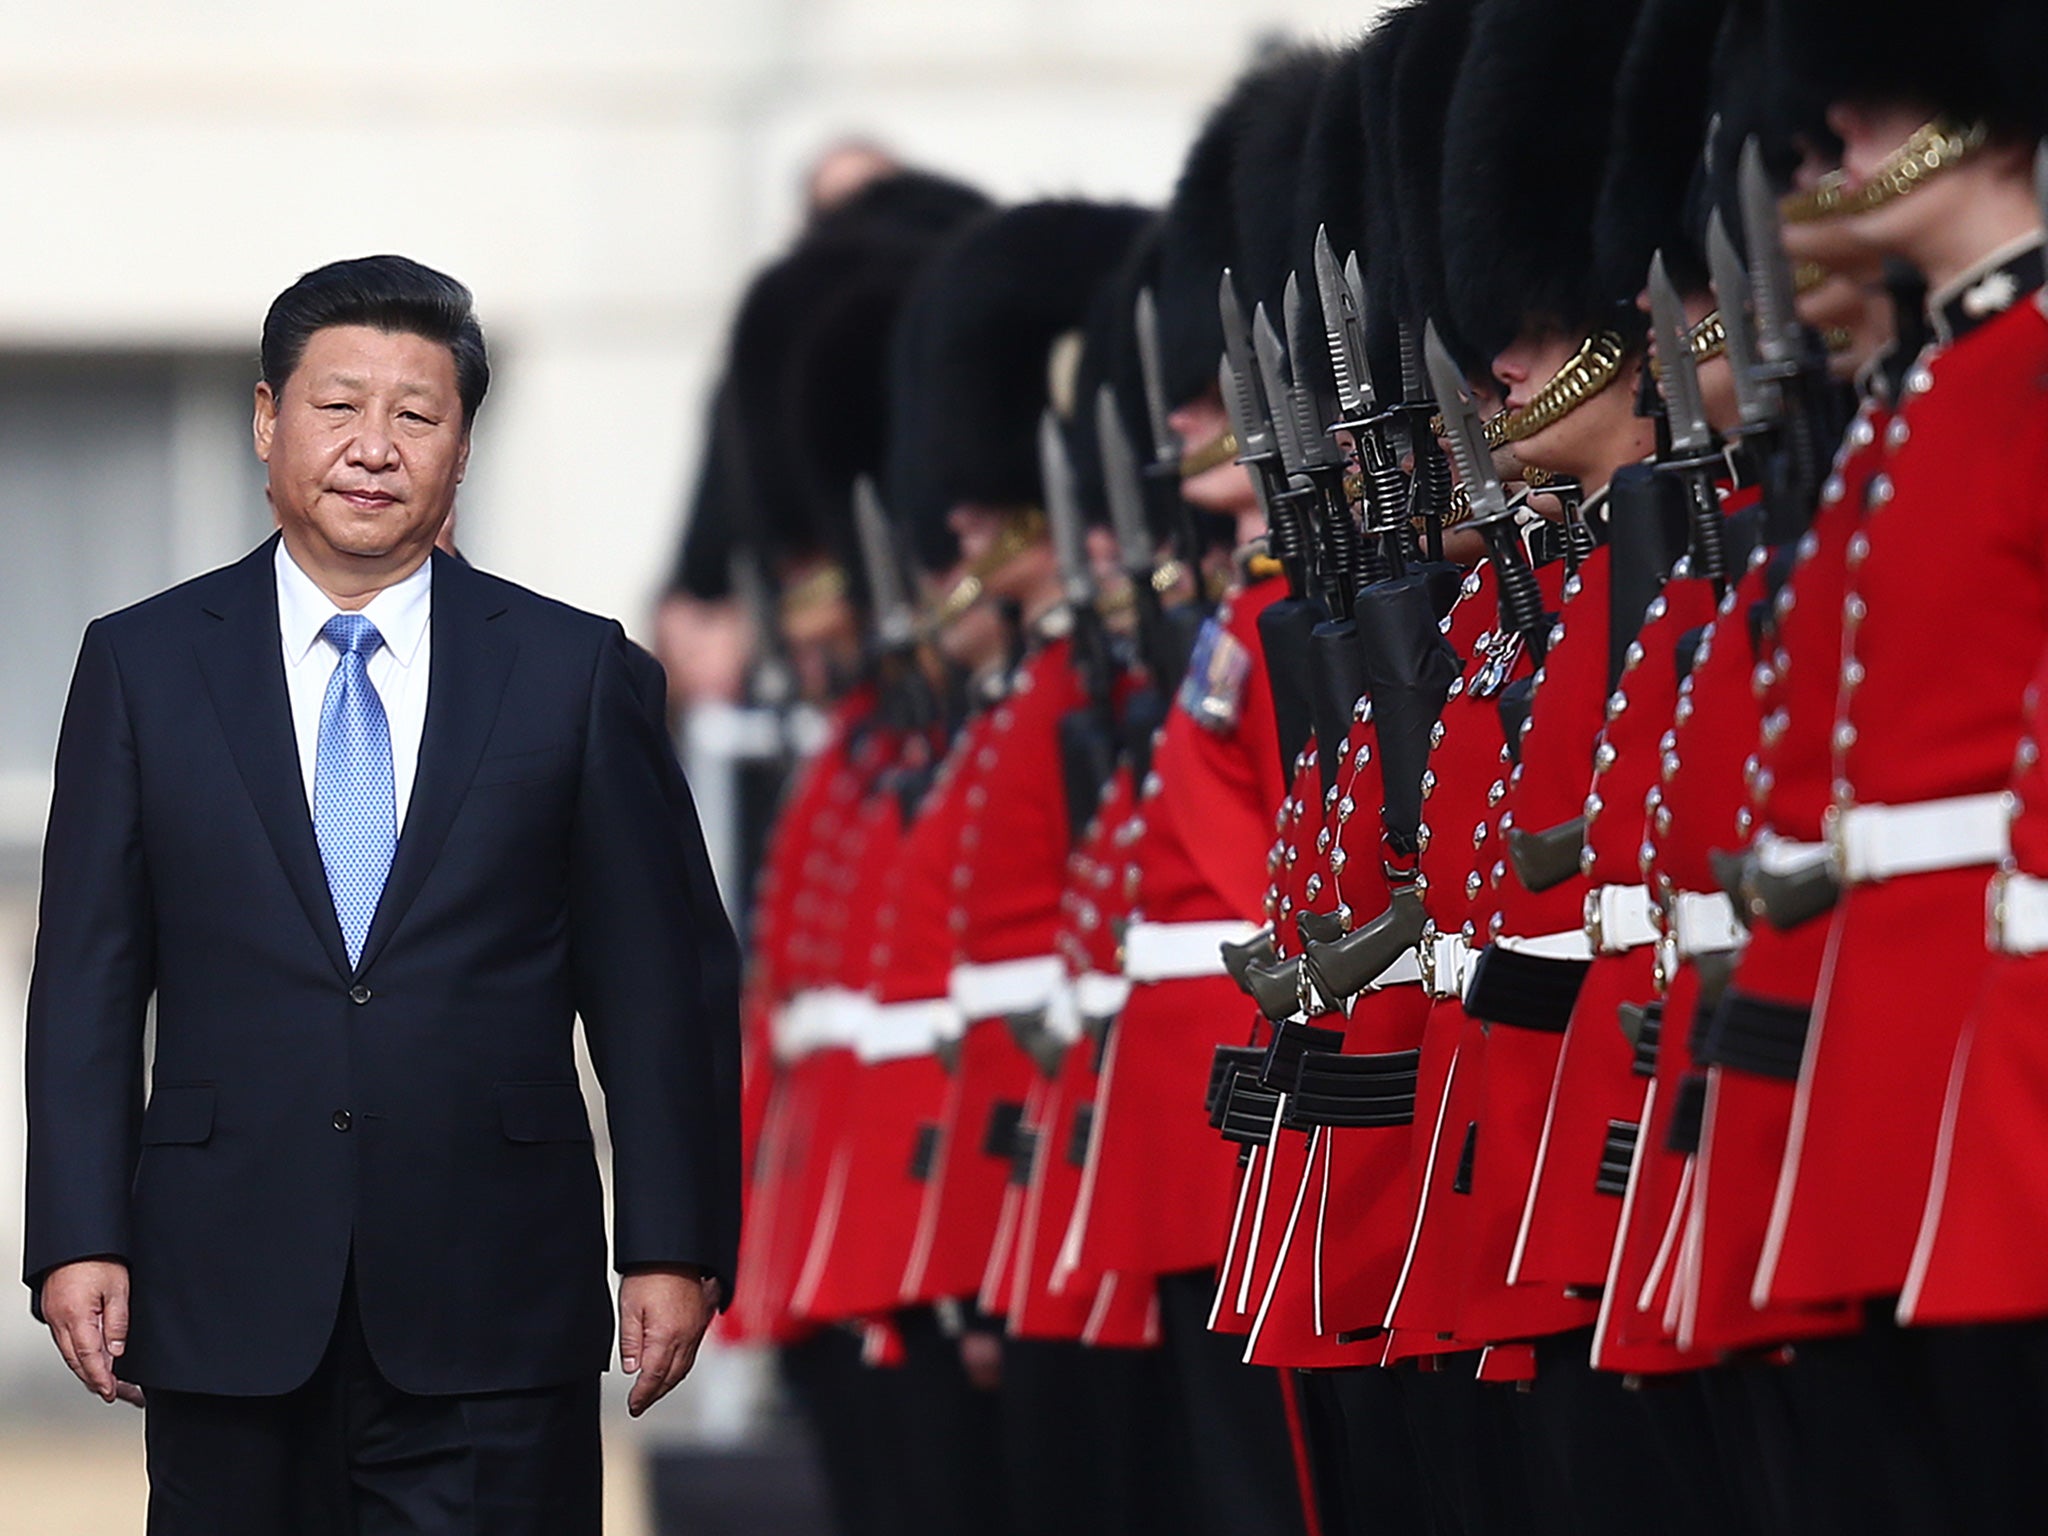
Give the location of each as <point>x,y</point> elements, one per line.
<point>265,424</point>
<point>462,457</point>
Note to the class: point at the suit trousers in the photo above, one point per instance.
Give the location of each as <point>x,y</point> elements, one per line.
<point>349,1454</point>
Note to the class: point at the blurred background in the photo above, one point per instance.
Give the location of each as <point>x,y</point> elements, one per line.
<point>605,178</point>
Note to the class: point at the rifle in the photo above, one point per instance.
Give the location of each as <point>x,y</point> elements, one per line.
<point>1285,627</point>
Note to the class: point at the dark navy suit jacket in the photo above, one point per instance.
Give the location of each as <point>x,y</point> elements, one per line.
<point>417,1113</point>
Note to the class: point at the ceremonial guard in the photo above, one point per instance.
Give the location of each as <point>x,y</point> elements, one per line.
<point>1434,1009</point>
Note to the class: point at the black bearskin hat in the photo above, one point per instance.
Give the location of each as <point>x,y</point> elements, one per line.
<point>1381,257</point>
<point>1523,166</point>
<point>1109,355</point>
<point>1199,237</point>
<point>1662,111</point>
<point>838,396</point>
<point>1986,63</point>
<point>968,365</point>
<point>1265,172</point>
<point>914,205</point>
<point>703,566</point>
<point>805,335</point>
<point>773,320</point>
<point>1330,193</point>
<point>1425,76</point>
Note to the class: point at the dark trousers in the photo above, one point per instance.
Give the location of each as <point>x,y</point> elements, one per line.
<point>855,1415</point>
<point>1242,1480</point>
<point>348,1454</point>
<point>1090,1446</point>
<point>1368,1480</point>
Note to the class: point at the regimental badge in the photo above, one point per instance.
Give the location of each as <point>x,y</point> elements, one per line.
<point>1213,690</point>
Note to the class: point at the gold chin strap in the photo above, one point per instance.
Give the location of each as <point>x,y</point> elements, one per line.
<point>1933,148</point>
<point>827,584</point>
<point>1592,368</point>
<point>1219,452</point>
<point>1706,341</point>
<point>1020,531</point>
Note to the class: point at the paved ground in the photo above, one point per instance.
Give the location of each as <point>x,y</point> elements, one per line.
<point>87,1480</point>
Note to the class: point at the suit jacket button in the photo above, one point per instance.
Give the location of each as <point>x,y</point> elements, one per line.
<point>342,1120</point>
<point>359,993</point>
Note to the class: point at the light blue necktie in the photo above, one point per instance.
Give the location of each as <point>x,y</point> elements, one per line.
<point>355,803</point>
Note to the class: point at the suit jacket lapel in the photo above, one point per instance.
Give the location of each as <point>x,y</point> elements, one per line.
<point>472,658</point>
<point>242,659</point>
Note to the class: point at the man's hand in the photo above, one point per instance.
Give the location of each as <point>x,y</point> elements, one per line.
<point>86,1304</point>
<point>664,1311</point>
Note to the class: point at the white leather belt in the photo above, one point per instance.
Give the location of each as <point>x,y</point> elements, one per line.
<point>1878,842</point>
<point>1099,995</point>
<point>1005,986</point>
<point>1619,918</point>
<point>1179,951</point>
<point>1703,923</point>
<point>897,1031</point>
<point>1777,855</point>
<point>2018,913</point>
<point>1572,944</point>
<point>1450,966</point>
<point>821,1019</point>
<point>1403,971</point>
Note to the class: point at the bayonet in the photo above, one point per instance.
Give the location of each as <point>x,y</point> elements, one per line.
<point>1123,487</point>
<point>1311,418</point>
<point>1414,380</point>
<point>1344,329</point>
<point>1772,290</point>
<point>1756,400</point>
<point>1790,364</point>
<point>1695,456</point>
<point>1347,564</point>
<point>1278,390</point>
<point>1164,640</point>
<point>1253,415</point>
<point>1166,443</point>
<point>895,618</point>
<point>1521,599</point>
<point>1466,432</point>
<point>1679,376</point>
<point>1063,515</point>
<point>774,679</point>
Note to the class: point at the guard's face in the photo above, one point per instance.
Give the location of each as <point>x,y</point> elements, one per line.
<point>1920,227</point>
<point>1589,443</point>
<point>366,445</point>
<point>1225,487</point>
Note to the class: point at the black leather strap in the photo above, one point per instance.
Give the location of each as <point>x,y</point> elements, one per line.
<point>1755,1035</point>
<point>1524,991</point>
<point>1292,1041</point>
<point>1355,1091</point>
<point>1617,1156</point>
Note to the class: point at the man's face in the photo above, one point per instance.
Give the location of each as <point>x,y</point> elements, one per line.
<point>366,444</point>
<point>1594,440</point>
<point>1919,226</point>
<point>1226,487</point>
<point>1020,578</point>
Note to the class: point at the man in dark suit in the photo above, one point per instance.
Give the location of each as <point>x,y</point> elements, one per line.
<point>372,829</point>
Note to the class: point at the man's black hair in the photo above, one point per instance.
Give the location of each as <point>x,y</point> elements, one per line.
<point>387,293</point>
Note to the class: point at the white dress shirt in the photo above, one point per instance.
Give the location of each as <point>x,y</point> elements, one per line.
<point>398,669</point>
